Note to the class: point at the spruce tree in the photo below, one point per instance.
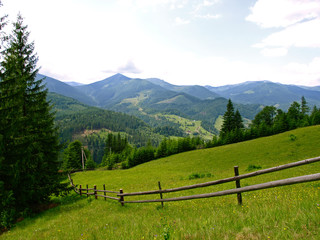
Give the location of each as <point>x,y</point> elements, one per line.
<point>73,156</point>
<point>30,156</point>
<point>228,119</point>
<point>304,106</point>
<point>238,122</point>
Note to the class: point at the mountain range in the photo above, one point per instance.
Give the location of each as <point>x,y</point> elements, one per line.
<point>147,98</point>
<point>268,93</point>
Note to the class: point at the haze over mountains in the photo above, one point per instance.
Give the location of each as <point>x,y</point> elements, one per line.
<point>147,97</point>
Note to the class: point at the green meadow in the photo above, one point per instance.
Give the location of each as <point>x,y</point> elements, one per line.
<point>289,212</point>
<point>190,127</point>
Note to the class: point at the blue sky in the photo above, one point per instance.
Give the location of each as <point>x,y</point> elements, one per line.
<point>184,42</point>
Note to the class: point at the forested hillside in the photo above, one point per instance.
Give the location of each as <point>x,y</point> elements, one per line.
<point>73,117</point>
<point>145,98</point>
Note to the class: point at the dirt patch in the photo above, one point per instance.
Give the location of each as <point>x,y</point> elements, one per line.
<point>43,207</point>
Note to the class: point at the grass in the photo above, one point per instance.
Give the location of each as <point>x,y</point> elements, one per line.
<point>190,127</point>
<point>290,212</point>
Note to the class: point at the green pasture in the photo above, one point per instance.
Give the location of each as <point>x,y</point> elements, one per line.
<point>290,212</point>
<point>190,127</point>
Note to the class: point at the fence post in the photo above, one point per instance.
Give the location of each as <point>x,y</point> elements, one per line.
<point>236,173</point>
<point>87,191</point>
<point>104,193</point>
<point>160,193</point>
<point>95,191</point>
<point>121,198</point>
<point>80,187</point>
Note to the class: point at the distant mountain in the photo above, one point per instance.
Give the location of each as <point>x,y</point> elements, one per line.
<point>194,90</point>
<point>120,89</point>
<point>267,93</point>
<point>64,89</point>
<point>73,84</point>
<point>144,99</point>
<point>316,88</point>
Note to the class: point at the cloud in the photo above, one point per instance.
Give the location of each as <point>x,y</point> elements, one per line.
<point>298,35</point>
<point>209,16</point>
<point>203,10</point>
<point>274,52</point>
<point>299,20</point>
<point>179,21</point>
<point>283,13</point>
<point>129,67</point>
<point>308,72</point>
<point>144,4</point>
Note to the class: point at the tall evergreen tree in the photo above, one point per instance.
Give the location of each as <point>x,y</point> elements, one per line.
<point>30,152</point>
<point>238,122</point>
<point>304,106</point>
<point>73,156</point>
<point>228,119</point>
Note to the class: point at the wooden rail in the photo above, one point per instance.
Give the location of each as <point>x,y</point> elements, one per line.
<point>278,183</point>
<point>231,179</point>
<point>86,191</point>
<point>238,190</point>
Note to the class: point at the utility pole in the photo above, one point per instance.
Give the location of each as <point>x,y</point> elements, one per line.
<point>82,152</point>
<point>83,157</point>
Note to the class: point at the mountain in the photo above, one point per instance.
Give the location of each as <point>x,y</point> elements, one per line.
<point>120,89</point>
<point>73,84</point>
<point>267,93</point>
<point>64,89</point>
<point>144,99</point>
<point>194,90</point>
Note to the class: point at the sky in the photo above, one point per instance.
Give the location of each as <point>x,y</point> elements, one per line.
<point>184,42</point>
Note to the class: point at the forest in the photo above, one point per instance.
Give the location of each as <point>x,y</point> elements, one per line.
<point>115,151</point>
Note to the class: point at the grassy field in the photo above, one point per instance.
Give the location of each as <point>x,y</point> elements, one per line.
<point>290,212</point>
<point>189,126</point>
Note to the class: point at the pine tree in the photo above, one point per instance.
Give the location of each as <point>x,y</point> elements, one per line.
<point>73,156</point>
<point>238,122</point>
<point>30,156</point>
<point>228,119</point>
<point>304,106</point>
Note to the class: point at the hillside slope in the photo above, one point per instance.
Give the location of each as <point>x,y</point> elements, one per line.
<point>290,212</point>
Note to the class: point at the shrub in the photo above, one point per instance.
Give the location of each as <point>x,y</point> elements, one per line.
<point>252,167</point>
<point>199,175</point>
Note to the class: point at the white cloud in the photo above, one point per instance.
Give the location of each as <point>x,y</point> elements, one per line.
<point>274,52</point>
<point>305,73</point>
<point>208,16</point>
<point>172,4</point>
<point>179,21</point>
<point>299,20</point>
<point>299,35</point>
<point>283,13</point>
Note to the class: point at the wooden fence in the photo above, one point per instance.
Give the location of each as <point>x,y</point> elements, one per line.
<point>238,190</point>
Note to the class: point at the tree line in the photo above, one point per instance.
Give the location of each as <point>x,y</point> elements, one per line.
<point>268,121</point>
<point>119,153</point>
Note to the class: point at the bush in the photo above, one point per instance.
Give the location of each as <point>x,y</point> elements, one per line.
<point>7,208</point>
<point>252,167</point>
<point>199,175</point>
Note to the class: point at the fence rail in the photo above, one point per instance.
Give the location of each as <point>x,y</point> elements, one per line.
<point>238,190</point>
